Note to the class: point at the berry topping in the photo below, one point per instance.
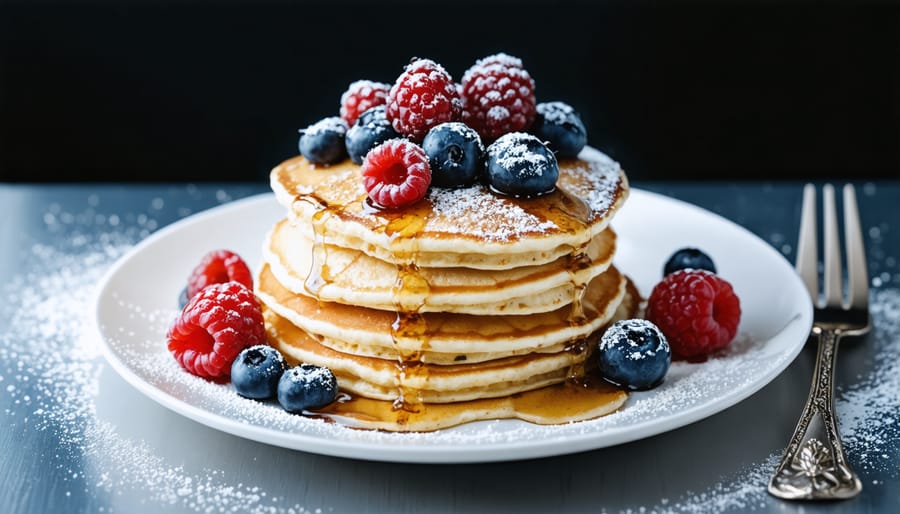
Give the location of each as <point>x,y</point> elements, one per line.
<point>560,126</point>
<point>183,298</point>
<point>498,96</point>
<point>256,371</point>
<point>361,96</point>
<point>306,386</point>
<point>634,354</point>
<point>688,258</point>
<point>455,153</point>
<point>396,173</point>
<point>323,141</point>
<point>214,327</point>
<point>696,310</point>
<point>423,96</point>
<point>370,130</point>
<point>217,267</point>
<point>519,164</point>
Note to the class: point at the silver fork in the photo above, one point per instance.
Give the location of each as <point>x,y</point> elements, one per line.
<point>814,466</point>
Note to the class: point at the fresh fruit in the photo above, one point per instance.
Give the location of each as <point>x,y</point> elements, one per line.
<point>361,96</point>
<point>688,258</point>
<point>519,164</point>
<point>370,130</point>
<point>306,386</point>
<point>215,325</point>
<point>323,141</point>
<point>696,310</point>
<point>396,173</point>
<point>634,354</point>
<point>256,371</point>
<point>217,267</point>
<point>455,154</point>
<point>498,96</point>
<point>183,298</point>
<point>423,96</point>
<point>560,127</point>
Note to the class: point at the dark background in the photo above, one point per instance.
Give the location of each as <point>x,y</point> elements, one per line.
<point>202,90</point>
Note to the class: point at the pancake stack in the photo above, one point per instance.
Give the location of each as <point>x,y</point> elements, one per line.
<point>467,305</point>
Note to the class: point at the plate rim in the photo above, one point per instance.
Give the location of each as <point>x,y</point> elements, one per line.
<point>441,452</point>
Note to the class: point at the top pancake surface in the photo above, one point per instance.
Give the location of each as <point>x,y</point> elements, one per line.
<point>502,231</point>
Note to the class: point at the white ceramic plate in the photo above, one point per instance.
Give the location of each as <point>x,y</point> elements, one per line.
<point>137,301</point>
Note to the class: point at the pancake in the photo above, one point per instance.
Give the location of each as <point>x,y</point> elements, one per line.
<point>552,397</point>
<point>471,227</point>
<point>556,404</point>
<point>390,379</point>
<point>386,379</point>
<point>466,305</point>
<point>523,290</point>
<point>448,338</point>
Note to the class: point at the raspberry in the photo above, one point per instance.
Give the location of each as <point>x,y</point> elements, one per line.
<point>361,96</point>
<point>217,267</point>
<point>396,173</point>
<point>696,310</point>
<point>423,96</point>
<point>214,327</point>
<point>498,96</point>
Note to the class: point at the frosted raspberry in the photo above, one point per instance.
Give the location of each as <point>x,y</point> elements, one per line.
<point>498,96</point>
<point>423,96</point>
<point>696,310</point>
<point>396,173</point>
<point>214,327</point>
<point>361,96</point>
<point>217,267</point>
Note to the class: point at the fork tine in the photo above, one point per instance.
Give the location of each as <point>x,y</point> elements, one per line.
<point>833,292</point>
<point>858,276</point>
<point>807,256</point>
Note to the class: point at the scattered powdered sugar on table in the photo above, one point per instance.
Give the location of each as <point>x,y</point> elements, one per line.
<point>53,386</point>
<point>868,416</point>
<point>49,345</point>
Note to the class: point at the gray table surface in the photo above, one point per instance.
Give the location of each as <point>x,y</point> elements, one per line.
<point>75,437</point>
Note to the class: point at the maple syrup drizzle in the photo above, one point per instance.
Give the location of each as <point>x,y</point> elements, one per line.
<point>572,215</point>
<point>560,403</point>
<point>583,395</point>
<point>410,292</point>
<point>319,273</point>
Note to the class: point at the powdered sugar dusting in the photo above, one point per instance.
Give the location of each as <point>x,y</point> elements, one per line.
<point>331,124</point>
<point>55,386</point>
<point>51,302</point>
<point>361,96</point>
<point>556,112</point>
<point>619,332</point>
<point>868,415</point>
<point>596,182</point>
<point>484,68</point>
<point>515,151</point>
<point>462,205</point>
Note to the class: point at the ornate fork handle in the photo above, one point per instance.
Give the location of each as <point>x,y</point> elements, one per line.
<point>814,466</point>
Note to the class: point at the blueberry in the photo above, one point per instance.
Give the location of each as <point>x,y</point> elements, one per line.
<point>306,386</point>
<point>560,126</point>
<point>634,354</point>
<point>183,298</point>
<point>455,153</point>
<point>519,164</point>
<point>323,141</point>
<point>256,371</point>
<point>688,258</point>
<point>370,130</point>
